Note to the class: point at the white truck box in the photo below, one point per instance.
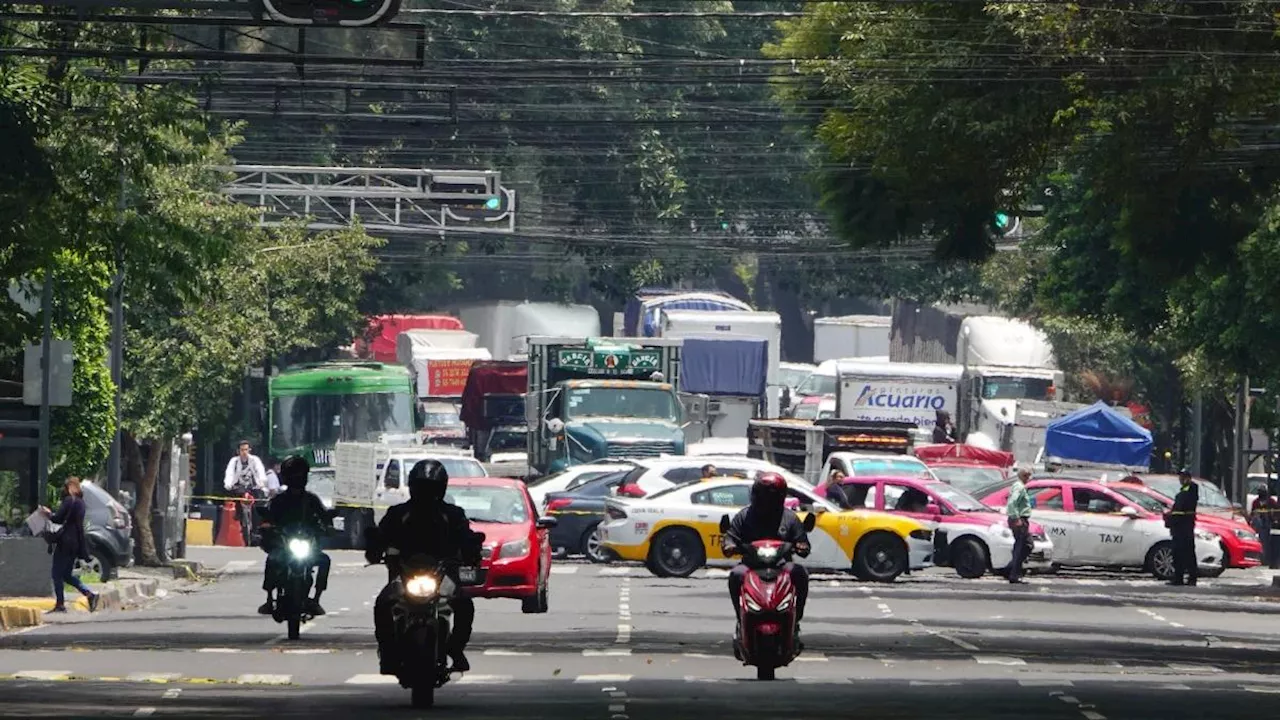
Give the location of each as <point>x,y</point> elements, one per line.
<point>766,325</point>
<point>851,336</point>
<point>898,392</point>
<point>504,326</point>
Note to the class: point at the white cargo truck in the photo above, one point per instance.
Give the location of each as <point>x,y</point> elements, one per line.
<point>898,392</point>
<point>368,478</point>
<point>504,327</point>
<point>734,323</point>
<point>851,336</point>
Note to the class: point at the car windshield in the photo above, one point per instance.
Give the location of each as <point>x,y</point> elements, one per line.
<point>817,384</point>
<point>490,504</point>
<point>302,420</point>
<point>625,402</point>
<point>967,479</point>
<point>1141,499</point>
<point>1210,495</point>
<point>793,377</point>
<point>958,499</point>
<point>807,411</point>
<point>508,441</point>
<point>1016,388</point>
<point>891,467</point>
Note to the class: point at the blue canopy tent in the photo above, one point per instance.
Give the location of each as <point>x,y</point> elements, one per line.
<point>640,318</point>
<point>1098,435</point>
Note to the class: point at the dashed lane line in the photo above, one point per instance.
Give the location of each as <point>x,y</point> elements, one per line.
<point>592,679</point>
<point>484,679</point>
<point>371,680</point>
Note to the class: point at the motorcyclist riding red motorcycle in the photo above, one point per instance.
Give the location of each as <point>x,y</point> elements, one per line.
<point>767,518</point>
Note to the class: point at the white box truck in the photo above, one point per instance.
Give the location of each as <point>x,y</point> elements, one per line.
<point>504,327</point>
<point>734,323</point>
<point>898,392</point>
<point>851,336</point>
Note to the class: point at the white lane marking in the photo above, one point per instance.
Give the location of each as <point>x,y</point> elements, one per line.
<point>141,677</point>
<point>624,634</point>
<point>262,679</point>
<point>1173,686</point>
<point>611,652</point>
<point>1160,618</point>
<point>1087,581</point>
<point>144,712</point>
<point>584,679</point>
<point>238,565</point>
<point>564,569</point>
<point>933,683</point>
<point>1211,638</point>
<point>1184,667</point>
<point>700,656</point>
<point>615,571</point>
<point>42,675</point>
<point>833,583</point>
<point>963,645</point>
<point>1265,689</point>
<point>624,613</point>
<point>998,660</point>
<point>707,680</point>
<point>507,653</point>
<point>802,680</point>
<point>372,680</point>
<point>1091,715</point>
<point>614,692</point>
<point>1177,625</point>
<point>229,651</point>
<point>171,694</point>
<point>816,657</point>
<point>309,651</point>
<point>716,574</point>
<point>485,679</point>
<point>1046,683</point>
<point>617,708</point>
<point>1069,699</point>
<point>351,564</point>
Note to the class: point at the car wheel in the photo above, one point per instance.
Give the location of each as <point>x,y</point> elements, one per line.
<point>593,547</point>
<point>677,552</point>
<point>537,604</point>
<point>1160,561</point>
<point>880,557</point>
<point>969,558</point>
<point>98,564</point>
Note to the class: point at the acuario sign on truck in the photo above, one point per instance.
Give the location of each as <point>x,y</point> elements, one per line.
<point>900,401</point>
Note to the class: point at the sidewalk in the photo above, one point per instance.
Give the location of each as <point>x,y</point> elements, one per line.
<point>134,586</point>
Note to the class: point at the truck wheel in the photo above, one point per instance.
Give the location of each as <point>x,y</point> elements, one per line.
<point>969,558</point>
<point>677,552</point>
<point>880,557</point>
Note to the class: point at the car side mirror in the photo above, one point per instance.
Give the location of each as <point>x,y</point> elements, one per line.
<point>933,509</point>
<point>724,524</point>
<point>1129,511</point>
<point>810,522</point>
<point>546,523</point>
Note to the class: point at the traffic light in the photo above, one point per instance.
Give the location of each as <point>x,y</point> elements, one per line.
<point>1005,224</point>
<point>345,13</point>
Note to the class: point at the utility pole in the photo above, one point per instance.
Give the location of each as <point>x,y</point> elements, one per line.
<point>1237,446</point>
<point>46,367</point>
<point>115,459</point>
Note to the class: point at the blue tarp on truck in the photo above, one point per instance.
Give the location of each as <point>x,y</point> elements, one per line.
<point>640,317</point>
<point>1098,434</point>
<point>725,366</point>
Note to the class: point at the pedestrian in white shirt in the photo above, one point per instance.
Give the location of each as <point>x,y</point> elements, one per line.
<point>245,474</point>
<point>273,478</point>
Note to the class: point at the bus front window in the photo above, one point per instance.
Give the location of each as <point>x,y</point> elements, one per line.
<point>326,419</point>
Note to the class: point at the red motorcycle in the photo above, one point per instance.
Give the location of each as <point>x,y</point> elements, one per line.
<point>766,636</point>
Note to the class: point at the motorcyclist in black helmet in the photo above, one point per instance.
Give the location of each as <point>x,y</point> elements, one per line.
<point>294,509</point>
<point>430,526</point>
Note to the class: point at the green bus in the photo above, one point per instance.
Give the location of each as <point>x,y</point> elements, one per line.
<point>310,407</point>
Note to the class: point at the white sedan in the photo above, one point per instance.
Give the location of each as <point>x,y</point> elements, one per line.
<point>570,479</point>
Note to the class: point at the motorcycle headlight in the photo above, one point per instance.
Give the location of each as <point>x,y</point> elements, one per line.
<point>767,553</point>
<point>752,605</point>
<point>421,586</point>
<point>1246,535</point>
<point>299,548</point>
<point>1206,536</point>
<point>515,549</point>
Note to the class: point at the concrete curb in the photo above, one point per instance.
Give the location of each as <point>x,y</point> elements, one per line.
<point>28,612</point>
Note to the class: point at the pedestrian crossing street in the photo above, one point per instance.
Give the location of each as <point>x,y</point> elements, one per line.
<point>938,576</point>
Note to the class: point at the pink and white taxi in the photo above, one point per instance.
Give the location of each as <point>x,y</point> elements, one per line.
<point>978,536</point>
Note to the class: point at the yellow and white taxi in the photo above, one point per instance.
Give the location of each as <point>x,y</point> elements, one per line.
<point>677,531</point>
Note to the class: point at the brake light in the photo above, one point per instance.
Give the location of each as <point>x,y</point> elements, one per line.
<point>558,504</point>
<point>615,513</point>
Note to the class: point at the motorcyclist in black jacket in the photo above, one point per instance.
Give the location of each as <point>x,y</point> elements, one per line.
<point>425,525</point>
<point>767,518</point>
<point>294,509</point>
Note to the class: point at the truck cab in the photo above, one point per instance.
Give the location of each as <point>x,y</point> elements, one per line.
<point>590,420</point>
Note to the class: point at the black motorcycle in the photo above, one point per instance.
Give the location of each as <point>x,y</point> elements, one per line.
<point>299,551</point>
<point>422,615</point>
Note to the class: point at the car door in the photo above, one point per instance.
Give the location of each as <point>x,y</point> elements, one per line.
<point>1101,537</point>
<point>711,502</point>
<point>1049,509</point>
<point>908,501</point>
<point>831,526</point>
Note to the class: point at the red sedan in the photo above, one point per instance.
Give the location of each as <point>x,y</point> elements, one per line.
<point>517,548</point>
<point>1241,547</point>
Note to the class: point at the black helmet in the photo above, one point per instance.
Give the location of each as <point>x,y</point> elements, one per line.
<point>428,480</point>
<point>769,491</point>
<point>293,472</point>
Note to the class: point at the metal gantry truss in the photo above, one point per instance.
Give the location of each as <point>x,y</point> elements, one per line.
<point>382,200</point>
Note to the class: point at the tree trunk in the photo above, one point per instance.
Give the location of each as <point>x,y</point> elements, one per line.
<point>142,510</point>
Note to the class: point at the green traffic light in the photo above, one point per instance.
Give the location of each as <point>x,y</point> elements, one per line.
<point>1002,220</point>
<point>492,203</point>
<point>724,226</point>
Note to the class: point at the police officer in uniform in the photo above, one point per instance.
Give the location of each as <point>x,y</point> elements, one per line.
<point>1181,522</point>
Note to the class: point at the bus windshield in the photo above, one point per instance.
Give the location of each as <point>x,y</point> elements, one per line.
<point>323,420</point>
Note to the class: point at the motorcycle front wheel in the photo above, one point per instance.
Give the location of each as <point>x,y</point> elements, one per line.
<point>765,673</point>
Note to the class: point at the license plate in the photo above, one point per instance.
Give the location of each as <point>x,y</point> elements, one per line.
<point>339,523</point>
<point>467,574</point>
